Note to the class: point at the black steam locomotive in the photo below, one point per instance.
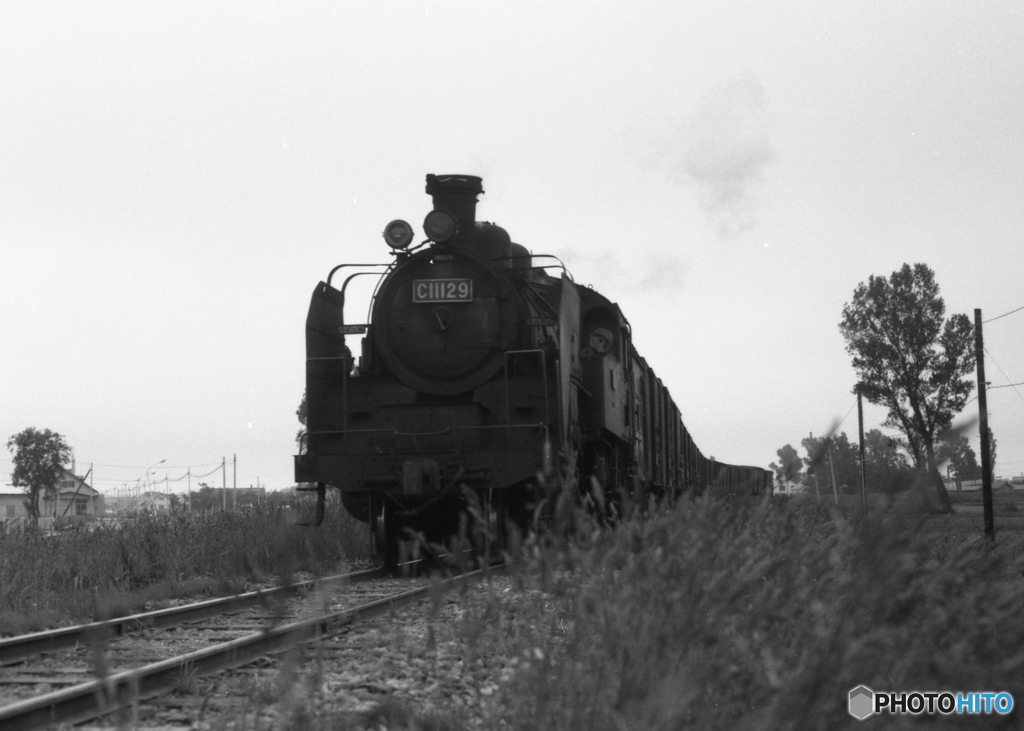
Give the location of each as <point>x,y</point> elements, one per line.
<point>484,375</point>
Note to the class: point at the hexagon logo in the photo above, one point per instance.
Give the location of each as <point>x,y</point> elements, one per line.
<point>862,702</point>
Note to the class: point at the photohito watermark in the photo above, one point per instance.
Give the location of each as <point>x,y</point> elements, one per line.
<point>865,702</point>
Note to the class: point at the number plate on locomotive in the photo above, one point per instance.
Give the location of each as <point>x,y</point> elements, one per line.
<point>442,290</point>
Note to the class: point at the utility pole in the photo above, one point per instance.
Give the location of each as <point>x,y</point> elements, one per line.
<point>817,492</point>
<point>832,469</point>
<point>234,482</point>
<point>860,427</point>
<point>224,483</point>
<point>986,460</point>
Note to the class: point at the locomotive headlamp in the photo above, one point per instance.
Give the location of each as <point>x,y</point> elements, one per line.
<point>440,225</point>
<point>398,234</point>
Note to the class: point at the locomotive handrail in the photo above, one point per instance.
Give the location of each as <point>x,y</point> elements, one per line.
<point>544,266</point>
<point>342,266</point>
<point>350,277</point>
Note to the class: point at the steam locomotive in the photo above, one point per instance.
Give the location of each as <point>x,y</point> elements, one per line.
<point>486,376</point>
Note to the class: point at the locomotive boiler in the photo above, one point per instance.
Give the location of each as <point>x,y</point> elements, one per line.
<point>485,375</point>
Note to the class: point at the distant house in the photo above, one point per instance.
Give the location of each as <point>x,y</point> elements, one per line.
<point>793,487</point>
<point>155,502</point>
<point>75,497</point>
<point>12,505</point>
<point>998,483</point>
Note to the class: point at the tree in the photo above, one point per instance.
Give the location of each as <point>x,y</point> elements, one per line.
<point>833,456</point>
<point>301,414</point>
<point>909,359</point>
<point>39,459</point>
<point>789,466</point>
<point>956,449</point>
<point>885,466</point>
<point>992,451</point>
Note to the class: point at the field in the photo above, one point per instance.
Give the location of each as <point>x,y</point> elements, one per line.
<point>97,571</point>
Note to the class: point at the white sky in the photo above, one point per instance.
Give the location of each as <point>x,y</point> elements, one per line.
<point>175,178</point>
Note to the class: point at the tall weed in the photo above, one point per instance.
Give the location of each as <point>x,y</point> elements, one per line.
<point>740,615</point>
<point>89,570</point>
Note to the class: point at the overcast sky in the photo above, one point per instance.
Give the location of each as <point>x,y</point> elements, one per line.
<point>175,178</point>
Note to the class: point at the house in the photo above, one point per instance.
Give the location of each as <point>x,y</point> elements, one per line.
<point>12,505</point>
<point>75,497</point>
<point>155,502</point>
<point>998,483</point>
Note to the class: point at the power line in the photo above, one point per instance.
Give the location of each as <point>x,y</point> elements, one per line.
<point>847,414</point>
<point>1014,385</point>
<point>142,467</point>
<point>991,388</point>
<point>1002,315</point>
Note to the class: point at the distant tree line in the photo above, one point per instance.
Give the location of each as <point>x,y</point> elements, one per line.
<point>213,498</point>
<point>833,463</point>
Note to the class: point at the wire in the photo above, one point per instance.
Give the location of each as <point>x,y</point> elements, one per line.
<point>142,467</point>
<point>993,388</point>
<point>847,414</point>
<point>1014,385</point>
<point>1002,315</point>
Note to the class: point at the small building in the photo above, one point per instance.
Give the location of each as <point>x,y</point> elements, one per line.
<point>75,497</point>
<point>155,502</point>
<point>976,485</point>
<point>12,505</point>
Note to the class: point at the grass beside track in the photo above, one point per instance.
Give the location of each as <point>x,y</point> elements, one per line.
<point>741,615</point>
<point>96,571</point>
<point>711,615</point>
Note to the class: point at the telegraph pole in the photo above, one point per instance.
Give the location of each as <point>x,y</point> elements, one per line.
<point>234,482</point>
<point>860,427</point>
<point>986,461</point>
<point>224,483</point>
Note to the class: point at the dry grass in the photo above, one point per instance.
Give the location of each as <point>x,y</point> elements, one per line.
<point>741,615</point>
<point>87,572</point>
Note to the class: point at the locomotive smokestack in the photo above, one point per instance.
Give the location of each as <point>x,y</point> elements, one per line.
<point>457,195</point>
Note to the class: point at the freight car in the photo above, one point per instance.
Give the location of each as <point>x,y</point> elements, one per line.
<point>485,374</point>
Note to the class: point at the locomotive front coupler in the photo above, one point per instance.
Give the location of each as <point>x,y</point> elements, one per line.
<point>448,489</point>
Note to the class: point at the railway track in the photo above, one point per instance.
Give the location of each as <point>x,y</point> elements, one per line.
<point>121,658</point>
<point>14,649</point>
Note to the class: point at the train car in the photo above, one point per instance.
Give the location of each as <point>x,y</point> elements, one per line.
<point>485,376</point>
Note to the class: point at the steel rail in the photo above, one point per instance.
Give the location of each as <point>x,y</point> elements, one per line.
<point>14,649</point>
<point>120,690</point>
